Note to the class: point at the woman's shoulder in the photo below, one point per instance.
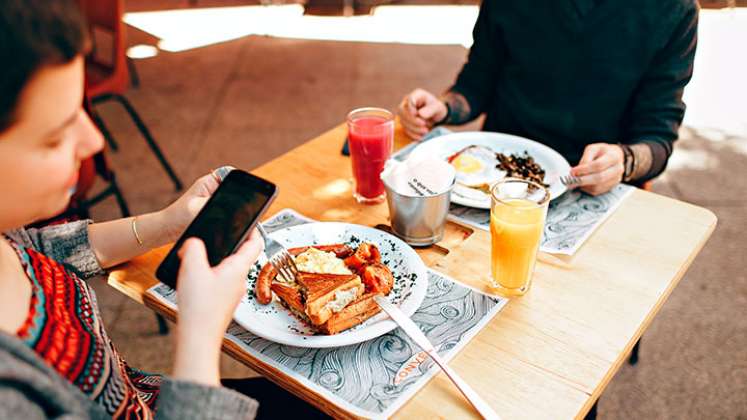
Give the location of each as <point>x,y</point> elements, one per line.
<point>67,243</point>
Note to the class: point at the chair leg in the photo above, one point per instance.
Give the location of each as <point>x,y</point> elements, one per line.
<point>634,353</point>
<point>163,327</point>
<point>592,414</point>
<point>119,197</point>
<point>104,130</point>
<point>149,139</point>
<point>134,77</point>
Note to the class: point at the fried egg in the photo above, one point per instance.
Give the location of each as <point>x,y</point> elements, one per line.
<point>316,261</point>
<point>476,166</point>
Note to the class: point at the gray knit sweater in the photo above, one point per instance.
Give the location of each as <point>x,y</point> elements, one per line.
<point>31,389</point>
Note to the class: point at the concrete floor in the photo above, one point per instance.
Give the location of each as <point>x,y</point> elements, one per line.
<point>246,101</point>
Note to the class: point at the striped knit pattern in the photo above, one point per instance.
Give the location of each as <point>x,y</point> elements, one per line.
<point>64,328</point>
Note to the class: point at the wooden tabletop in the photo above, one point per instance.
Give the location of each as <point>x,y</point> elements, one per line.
<point>549,354</point>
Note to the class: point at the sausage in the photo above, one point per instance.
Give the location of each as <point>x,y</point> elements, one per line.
<point>264,282</point>
<point>262,288</point>
<point>378,278</point>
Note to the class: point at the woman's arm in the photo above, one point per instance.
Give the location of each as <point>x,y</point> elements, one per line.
<point>89,248</point>
<point>116,241</point>
<point>120,240</point>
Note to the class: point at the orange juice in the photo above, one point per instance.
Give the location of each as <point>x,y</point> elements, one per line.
<point>516,227</point>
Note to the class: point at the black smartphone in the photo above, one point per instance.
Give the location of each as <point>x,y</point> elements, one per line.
<point>345,148</point>
<point>224,222</point>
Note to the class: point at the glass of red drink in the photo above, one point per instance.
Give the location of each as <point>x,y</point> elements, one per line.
<point>370,138</point>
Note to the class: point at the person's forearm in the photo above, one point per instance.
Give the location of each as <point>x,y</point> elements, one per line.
<point>642,161</point>
<point>115,242</point>
<point>459,109</point>
<point>196,358</point>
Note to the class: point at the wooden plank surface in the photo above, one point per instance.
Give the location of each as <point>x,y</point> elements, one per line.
<point>549,354</point>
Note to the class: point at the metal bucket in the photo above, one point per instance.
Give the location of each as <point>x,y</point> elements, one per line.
<point>419,221</point>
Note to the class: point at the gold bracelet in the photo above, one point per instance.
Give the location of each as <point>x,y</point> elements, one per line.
<point>134,230</point>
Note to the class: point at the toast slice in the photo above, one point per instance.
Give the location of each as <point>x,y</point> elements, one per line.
<point>291,298</point>
<point>327,294</point>
<point>355,313</point>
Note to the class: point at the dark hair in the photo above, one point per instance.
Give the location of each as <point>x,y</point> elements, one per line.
<point>35,33</point>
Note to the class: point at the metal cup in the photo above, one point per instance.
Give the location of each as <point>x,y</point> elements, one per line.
<point>419,221</point>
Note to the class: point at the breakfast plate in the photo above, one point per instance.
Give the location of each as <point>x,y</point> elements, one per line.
<point>276,323</point>
<point>553,163</point>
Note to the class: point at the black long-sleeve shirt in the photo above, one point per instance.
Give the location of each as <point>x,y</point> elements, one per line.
<point>569,73</point>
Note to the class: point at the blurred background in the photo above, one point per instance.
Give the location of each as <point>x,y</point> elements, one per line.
<point>238,82</point>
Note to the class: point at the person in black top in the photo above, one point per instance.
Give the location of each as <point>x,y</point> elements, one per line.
<point>600,81</point>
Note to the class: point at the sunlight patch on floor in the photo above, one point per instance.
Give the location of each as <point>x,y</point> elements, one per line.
<point>185,29</point>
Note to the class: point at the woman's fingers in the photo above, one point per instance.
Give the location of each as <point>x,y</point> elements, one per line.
<point>239,264</point>
<point>193,255</point>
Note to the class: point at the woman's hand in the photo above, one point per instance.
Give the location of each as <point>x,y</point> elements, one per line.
<point>181,212</point>
<point>207,298</point>
<point>600,169</point>
<point>419,111</point>
<point>120,240</point>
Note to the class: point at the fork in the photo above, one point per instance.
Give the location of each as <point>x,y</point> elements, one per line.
<point>279,257</point>
<point>569,180</point>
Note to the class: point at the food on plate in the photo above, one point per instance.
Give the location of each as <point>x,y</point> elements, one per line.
<point>314,260</point>
<point>378,278</point>
<point>355,313</point>
<point>479,167</point>
<point>327,294</point>
<point>476,166</point>
<point>268,273</point>
<point>522,166</point>
<point>365,254</point>
<point>334,288</point>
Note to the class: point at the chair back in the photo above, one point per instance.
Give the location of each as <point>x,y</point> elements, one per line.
<point>106,65</point>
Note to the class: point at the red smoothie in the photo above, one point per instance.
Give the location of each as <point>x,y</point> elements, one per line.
<point>371,139</point>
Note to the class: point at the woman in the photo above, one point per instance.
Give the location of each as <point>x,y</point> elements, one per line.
<point>56,359</point>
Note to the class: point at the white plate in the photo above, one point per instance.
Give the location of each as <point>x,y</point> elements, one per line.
<point>551,161</point>
<point>274,322</point>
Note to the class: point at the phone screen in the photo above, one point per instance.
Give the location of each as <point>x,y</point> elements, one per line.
<point>224,221</point>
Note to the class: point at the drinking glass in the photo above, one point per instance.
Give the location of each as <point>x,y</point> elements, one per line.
<point>370,138</point>
<point>517,220</point>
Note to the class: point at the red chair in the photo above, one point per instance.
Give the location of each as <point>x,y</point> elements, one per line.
<point>107,73</point>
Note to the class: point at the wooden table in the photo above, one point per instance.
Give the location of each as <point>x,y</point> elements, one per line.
<point>549,354</point>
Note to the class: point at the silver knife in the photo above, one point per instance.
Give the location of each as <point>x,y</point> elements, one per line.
<point>412,330</point>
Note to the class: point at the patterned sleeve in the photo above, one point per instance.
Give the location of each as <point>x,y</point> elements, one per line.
<point>67,243</point>
<point>188,400</point>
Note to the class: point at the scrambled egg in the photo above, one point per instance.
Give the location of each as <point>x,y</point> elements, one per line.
<point>342,298</point>
<point>315,261</point>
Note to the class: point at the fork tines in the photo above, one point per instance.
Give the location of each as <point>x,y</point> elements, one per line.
<point>568,180</point>
<point>283,263</point>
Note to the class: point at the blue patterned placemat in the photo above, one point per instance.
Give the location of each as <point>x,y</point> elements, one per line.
<point>571,218</point>
<point>375,378</point>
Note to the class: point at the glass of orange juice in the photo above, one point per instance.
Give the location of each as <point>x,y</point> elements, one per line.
<point>517,220</point>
